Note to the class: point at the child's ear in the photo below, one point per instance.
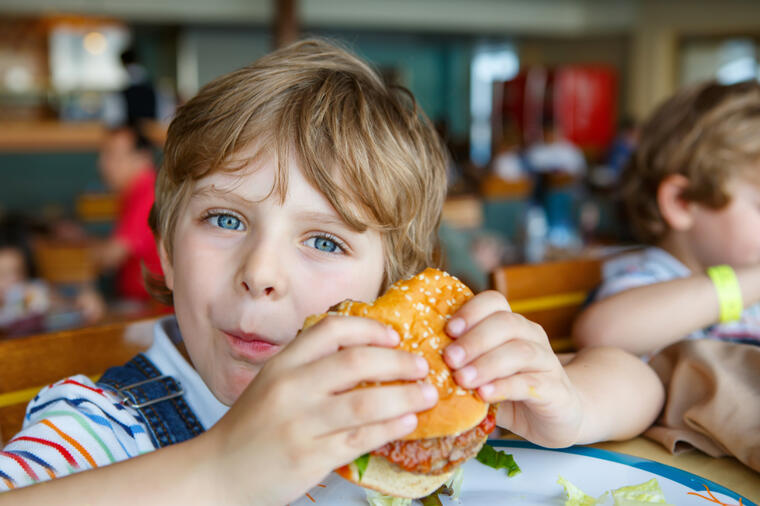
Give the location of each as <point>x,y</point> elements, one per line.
<point>675,210</point>
<point>166,265</point>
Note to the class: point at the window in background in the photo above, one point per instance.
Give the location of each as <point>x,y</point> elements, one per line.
<point>727,60</point>
<point>737,61</point>
<point>84,63</point>
<point>489,64</point>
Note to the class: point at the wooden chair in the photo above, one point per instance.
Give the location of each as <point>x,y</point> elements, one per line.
<point>550,294</point>
<point>97,207</point>
<point>65,263</point>
<point>464,211</point>
<point>494,187</point>
<point>29,363</point>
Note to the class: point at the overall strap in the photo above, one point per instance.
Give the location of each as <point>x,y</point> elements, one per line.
<point>158,398</point>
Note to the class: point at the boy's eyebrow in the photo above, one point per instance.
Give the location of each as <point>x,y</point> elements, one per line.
<point>327,218</point>
<point>213,191</point>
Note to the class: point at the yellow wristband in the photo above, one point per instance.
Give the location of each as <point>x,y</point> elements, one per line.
<point>729,292</point>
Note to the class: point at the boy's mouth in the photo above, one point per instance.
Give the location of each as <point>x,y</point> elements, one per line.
<point>252,347</point>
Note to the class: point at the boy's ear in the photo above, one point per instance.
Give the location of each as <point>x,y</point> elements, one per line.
<point>675,210</point>
<point>166,265</point>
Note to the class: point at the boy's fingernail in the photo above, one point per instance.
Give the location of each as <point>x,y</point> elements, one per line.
<point>429,392</point>
<point>409,421</point>
<point>467,374</point>
<point>455,354</point>
<point>393,335</point>
<point>456,326</point>
<point>422,364</point>
<point>486,391</point>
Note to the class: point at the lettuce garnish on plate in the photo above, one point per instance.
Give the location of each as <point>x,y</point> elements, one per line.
<point>642,494</point>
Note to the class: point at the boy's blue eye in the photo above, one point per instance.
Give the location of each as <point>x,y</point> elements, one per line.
<point>227,222</point>
<point>325,244</point>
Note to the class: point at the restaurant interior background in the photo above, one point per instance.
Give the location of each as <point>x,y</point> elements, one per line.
<point>497,78</point>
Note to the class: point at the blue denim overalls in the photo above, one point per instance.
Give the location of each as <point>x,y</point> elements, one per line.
<point>158,398</point>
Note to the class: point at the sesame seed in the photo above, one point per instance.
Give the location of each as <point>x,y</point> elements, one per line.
<point>398,315</point>
<point>407,297</point>
<point>432,300</point>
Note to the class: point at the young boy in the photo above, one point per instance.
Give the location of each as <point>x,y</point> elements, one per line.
<point>692,190</point>
<point>288,186</point>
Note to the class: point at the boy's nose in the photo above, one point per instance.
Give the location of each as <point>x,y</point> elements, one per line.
<point>266,291</point>
<point>262,272</point>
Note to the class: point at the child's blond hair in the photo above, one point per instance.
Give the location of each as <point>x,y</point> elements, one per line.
<point>709,133</point>
<point>364,144</point>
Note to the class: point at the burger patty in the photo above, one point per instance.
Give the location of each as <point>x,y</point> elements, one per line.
<point>439,454</point>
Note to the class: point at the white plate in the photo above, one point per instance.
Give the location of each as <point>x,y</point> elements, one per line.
<point>594,471</point>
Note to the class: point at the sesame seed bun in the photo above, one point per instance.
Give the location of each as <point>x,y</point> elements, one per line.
<point>418,309</point>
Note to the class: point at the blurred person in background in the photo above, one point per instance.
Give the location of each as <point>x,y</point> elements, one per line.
<point>29,304</point>
<point>623,145</point>
<point>555,154</point>
<point>607,175</point>
<point>127,167</point>
<point>508,161</point>
<point>137,101</point>
<point>556,166</point>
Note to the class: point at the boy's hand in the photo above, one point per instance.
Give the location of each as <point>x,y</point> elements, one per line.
<point>508,359</point>
<point>299,419</point>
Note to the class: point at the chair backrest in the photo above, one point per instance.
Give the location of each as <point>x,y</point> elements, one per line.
<point>29,363</point>
<point>464,211</point>
<point>65,263</point>
<point>97,207</point>
<point>494,187</point>
<point>550,293</point>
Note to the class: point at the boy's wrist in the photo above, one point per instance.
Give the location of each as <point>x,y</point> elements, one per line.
<point>728,291</point>
<point>749,280</point>
<point>204,470</point>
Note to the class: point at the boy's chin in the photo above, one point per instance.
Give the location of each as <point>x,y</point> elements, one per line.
<point>234,386</point>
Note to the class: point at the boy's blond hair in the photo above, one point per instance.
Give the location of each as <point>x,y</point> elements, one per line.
<point>709,133</point>
<point>365,145</point>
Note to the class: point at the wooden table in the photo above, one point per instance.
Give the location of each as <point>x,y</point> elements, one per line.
<point>726,471</point>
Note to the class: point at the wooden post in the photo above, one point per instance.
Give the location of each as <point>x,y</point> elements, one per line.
<point>285,22</point>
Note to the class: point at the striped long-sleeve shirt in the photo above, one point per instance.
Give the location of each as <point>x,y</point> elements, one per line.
<point>69,426</point>
<point>73,425</point>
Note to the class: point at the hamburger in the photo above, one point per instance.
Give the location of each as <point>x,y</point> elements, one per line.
<point>449,433</point>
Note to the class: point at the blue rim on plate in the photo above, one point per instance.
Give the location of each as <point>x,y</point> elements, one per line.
<point>685,478</point>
